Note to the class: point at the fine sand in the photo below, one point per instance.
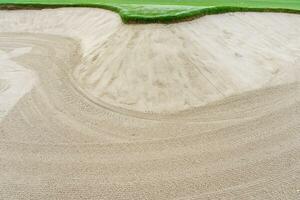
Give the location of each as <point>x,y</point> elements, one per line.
<point>91,108</point>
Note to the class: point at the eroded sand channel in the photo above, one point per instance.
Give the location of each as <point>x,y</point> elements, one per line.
<point>89,138</point>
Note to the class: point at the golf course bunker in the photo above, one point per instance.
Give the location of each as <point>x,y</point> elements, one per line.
<point>91,108</point>
<point>170,68</point>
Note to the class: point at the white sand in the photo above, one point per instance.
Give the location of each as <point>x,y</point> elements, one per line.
<point>15,80</point>
<point>223,91</point>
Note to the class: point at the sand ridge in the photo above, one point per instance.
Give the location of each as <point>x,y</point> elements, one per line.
<point>170,68</point>
<point>222,92</point>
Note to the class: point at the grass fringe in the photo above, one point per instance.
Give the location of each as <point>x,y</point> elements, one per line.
<point>128,18</point>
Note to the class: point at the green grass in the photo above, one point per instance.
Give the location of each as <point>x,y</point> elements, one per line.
<point>163,11</point>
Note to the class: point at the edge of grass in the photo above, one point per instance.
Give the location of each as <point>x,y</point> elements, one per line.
<point>199,13</point>
<point>128,18</point>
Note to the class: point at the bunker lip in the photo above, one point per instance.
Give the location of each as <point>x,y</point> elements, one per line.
<point>224,92</point>
<point>128,18</point>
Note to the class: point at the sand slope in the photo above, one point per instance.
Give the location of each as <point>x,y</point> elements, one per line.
<point>223,92</point>
<point>159,68</point>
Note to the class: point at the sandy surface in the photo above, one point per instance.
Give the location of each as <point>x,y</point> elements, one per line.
<point>91,108</point>
<point>15,80</point>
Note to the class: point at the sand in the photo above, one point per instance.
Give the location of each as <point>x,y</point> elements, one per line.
<point>91,108</point>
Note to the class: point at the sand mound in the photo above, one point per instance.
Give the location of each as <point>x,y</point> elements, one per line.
<point>77,86</point>
<point>170,68</point>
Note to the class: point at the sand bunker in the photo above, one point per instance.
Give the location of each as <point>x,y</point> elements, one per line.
<point>15,80</point>
<point>166,69</point>
<point>91,108</point>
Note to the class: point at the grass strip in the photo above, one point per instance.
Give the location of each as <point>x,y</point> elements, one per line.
<point>150,16</point>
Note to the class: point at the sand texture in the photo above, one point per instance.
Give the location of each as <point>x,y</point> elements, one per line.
<point>91,108</point>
